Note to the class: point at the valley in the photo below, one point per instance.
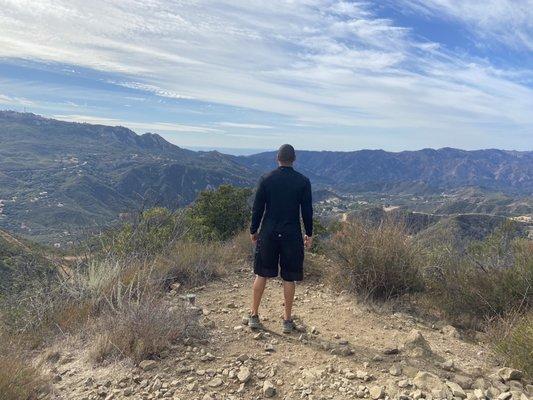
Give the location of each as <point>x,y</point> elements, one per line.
<point>61,181</point>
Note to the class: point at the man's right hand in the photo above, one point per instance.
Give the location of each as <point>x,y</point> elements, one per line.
<point>308,242</point>
<point>253,237</point>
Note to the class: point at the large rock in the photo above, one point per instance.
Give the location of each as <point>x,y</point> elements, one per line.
<point>244,374</point>
<point>510,374</point>
<point>269,390</point>
<point>376,392</point>
<point>428,381</point>
<point>147,365</point>
<point>416,344</point>
<point>457,391</point>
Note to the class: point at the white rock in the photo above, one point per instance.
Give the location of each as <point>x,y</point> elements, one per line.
<point>269,390</point>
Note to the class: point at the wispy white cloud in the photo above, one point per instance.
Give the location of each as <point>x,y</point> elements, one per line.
<point>507,21</point>
<point>5,99</point>
<point>138,126</point>
<point>244,126</point>
<point>319,63</point>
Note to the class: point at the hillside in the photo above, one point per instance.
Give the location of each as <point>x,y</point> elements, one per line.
<point>61,180</point>
<point>20,263</point>
<point>57,178</point>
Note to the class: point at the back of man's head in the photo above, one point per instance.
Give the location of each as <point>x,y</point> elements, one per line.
<point>286,154</point>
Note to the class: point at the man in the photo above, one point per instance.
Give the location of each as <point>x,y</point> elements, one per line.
<point>281,196</point>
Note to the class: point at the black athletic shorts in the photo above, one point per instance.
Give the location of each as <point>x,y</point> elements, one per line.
<point>273,253</point>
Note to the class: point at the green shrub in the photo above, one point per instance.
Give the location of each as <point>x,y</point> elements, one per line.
<point>514,343</point>
<point>376,262</point>
<point>491,279</point>
<point>152,233</point>
<point>219,214</point>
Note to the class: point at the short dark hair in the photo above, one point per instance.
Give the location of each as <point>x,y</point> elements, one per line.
<point>286,153</point>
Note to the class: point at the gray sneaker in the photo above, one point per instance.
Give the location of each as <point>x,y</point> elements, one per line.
<point>254,323</point>
<point>288,326</point>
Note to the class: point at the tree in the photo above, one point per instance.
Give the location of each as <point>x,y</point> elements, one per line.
<point>219,214</point>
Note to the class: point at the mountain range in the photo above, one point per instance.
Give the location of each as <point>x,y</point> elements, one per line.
<point>58,178</point>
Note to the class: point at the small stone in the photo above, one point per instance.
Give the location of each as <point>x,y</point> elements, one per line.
<point>259,336</point>
<point>450,331</point>
<point>390,350</point>
<point>215,382</point>
<point>376,392</point>
<point>395,370</point>
<point>147,365</point>
<point>478,394</point>
<point>244,374</point>
<point>269,348</point>
<point>207,357</point>
<point>448,365</point>
<point>505,396</point>
<point>269,390</point>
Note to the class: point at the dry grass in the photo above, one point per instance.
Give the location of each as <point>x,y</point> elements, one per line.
<point>142,330</point>
<point>374,262</point>
<point>192,264</point>
<point>513,342</point>
<point>241,246</point>
<point>18,379</point>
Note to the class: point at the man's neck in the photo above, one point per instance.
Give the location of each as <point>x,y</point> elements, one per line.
<point>287,165</point>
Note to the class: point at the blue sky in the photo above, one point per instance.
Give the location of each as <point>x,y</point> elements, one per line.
<point>321,74</point>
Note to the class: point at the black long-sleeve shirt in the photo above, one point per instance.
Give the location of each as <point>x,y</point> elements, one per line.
<point>281,195</point>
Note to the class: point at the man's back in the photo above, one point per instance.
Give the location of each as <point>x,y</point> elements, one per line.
<point>281,194</point>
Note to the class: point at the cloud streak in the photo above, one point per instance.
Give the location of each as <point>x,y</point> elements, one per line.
<point>327,64</point>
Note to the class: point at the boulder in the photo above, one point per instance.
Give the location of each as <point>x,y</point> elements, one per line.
<point>147,365</point>
<point>428,381</point>
<point>416,344</point>
<point>269,390</point>
<point>457,391</point>
<point>244,374</point>
<point>510,374</point>
<point>376,392</point>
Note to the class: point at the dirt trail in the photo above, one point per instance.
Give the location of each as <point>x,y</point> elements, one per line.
<point>342,354</point>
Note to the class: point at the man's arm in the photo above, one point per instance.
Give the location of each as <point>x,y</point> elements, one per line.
<point>258,207</point>
<point>307,209</point>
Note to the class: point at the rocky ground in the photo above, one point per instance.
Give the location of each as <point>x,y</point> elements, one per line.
<point>342,350</point>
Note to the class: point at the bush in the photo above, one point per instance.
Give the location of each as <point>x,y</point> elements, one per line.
<point>492,279</point>
<point>191,264</point>
<point>377,262</point>
<point>142,330</point>
<point>514,343</point>
<point>18,379</point>
<point>219,214</point>
<point>153,232</point>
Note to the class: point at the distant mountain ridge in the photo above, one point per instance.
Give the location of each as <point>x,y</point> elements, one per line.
<point>57,177</point>
<point>427,169</point>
